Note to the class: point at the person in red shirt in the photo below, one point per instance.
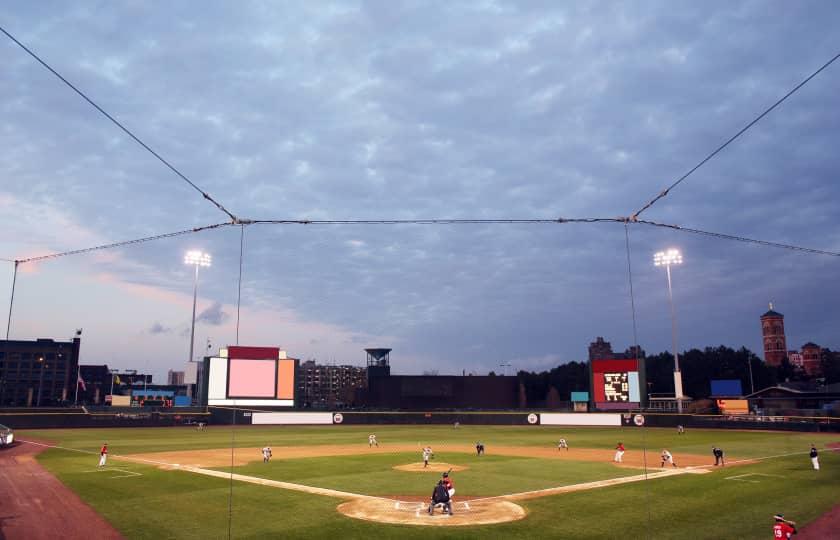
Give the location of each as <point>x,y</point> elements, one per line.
<point>619,452</point>
<point>783,528</point>
<point>103,455</point>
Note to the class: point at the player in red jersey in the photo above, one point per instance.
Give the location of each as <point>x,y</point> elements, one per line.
<point>783,528</point>
<point>103,455</point>
<point>619,452</point>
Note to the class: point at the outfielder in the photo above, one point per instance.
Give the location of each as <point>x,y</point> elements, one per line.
<point>667,458</point>
<point>562,444</point>
<point>619,452</point>
<point>103,455</point>
<point>266,452</point>
<point>680,430</point>
<point>815,460</point>
<point>372,440</point>
<point>427,454</point>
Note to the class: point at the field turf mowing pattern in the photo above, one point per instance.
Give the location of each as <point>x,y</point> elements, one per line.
<point>177,504</point>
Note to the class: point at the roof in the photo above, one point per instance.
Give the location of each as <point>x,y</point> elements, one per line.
<point>772,313</point>
<point>811,345</point>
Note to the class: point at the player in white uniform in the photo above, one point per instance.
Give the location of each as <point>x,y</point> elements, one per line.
<point>562,444</point>
<point>427,455</point>
<point>266,452</point>
<point>667,458</point>
<point>372,440</point>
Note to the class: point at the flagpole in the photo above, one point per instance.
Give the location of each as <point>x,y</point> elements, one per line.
<point>78,376</point>
<point>112,388</point>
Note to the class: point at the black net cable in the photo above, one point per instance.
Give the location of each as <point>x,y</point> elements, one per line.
<point>767,111</point>
<point>118,124</point>
<point>638,355</point>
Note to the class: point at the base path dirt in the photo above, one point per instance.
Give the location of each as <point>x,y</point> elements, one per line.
<point>221,457</point>
<point>34,505</point>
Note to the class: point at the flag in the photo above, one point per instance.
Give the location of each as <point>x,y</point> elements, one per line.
<point>117,379</point>
<point>80,382</point>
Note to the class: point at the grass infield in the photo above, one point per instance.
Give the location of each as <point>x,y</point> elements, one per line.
<point>147,501</point>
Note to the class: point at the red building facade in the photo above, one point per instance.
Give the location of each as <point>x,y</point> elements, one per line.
<point>773,335</point>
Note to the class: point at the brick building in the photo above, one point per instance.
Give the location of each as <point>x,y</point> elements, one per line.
<point>325,386</point>
<point>773,336</point>
<point>39,372</point>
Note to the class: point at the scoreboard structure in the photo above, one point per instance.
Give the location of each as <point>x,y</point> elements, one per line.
<point>617,384</point>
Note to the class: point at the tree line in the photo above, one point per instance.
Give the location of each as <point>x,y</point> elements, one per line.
<point>554,387</point>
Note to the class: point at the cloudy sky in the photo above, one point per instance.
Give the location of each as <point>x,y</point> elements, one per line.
<point>416,110</point>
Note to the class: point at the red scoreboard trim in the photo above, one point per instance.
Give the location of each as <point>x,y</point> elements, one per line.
<point>600,395</point>
<point>253,353</point>
<point>612,366</point>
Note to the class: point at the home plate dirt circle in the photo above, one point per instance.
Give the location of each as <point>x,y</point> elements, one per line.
<point>433,467</point>
<point>416,513</point>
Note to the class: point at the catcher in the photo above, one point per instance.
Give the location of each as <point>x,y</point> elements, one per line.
<point>440,496</point>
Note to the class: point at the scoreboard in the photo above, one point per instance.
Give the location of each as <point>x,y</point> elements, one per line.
<point>617,384</point>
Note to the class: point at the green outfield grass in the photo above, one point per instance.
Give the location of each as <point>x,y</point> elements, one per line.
<point>176,504</point>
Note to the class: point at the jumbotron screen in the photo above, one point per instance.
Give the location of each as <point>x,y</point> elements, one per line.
<point>251,376</point>
<point>617,384</point>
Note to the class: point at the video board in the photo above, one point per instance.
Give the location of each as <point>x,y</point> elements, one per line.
<point>251,376</point>
<point>617,383</point>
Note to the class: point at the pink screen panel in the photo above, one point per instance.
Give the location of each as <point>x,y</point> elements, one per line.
<point>251,378</point>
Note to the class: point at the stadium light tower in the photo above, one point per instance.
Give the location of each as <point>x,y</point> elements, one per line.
<point>197,259</point>
<point>666,259</point>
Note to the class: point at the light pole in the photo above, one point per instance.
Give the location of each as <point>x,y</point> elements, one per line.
<point>40,380</point>
<point>504,366</point>
<point>197,259</point>
<point>666,259</point>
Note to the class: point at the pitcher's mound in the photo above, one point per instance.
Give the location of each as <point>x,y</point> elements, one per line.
<point>433,467</point>
<point>416,513</point>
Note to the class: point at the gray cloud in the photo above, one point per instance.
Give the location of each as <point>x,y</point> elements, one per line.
<point>158,328</point>
<point>213,315</point>
<point>440,110</point>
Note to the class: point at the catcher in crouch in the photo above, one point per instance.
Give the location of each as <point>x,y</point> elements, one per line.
<point>440,497</point>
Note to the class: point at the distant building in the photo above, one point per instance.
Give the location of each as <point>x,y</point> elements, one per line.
<point>174,377</point>
<point>40,372</point>
<point>773,335</point>
<point>600,349</point>
<point>328,386</point>
<point>811,359</point>
<point>97,383</point>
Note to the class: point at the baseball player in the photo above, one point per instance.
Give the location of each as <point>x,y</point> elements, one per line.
<point>266,452</point>
<point>479,449</point>
<point>815,460</point>
<point>667,458</point>
<point>372,440</point>
<point>783,528</point>
<point>103,455</point>
<point>200,426</point>
<point>562,444</point>
<point>450,487</point>
<point>427,455</point>
<point>680,430</point>
<point>619,452</point>
<point>457,425</point>
<point>440,496</point>
<point>718,453</point>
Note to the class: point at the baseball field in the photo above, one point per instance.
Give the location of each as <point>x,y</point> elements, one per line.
<point>326,481</point>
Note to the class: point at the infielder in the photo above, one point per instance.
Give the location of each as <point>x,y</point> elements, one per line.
<point>427,454</point>
<point>815,460</point>
<point>266,452</point>
<point>619,452</point>
<point>103,455</point>
<point>372,440</point>
<point>200,426</point>
<point>562,444</point>
<point>718,453</point>
<point>667,458</point>
<point>479,448</point>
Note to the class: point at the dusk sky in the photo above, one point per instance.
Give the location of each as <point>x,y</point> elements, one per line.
<point>418,110</point>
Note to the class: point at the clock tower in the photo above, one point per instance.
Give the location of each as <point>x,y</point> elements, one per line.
<point>773,335</point>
